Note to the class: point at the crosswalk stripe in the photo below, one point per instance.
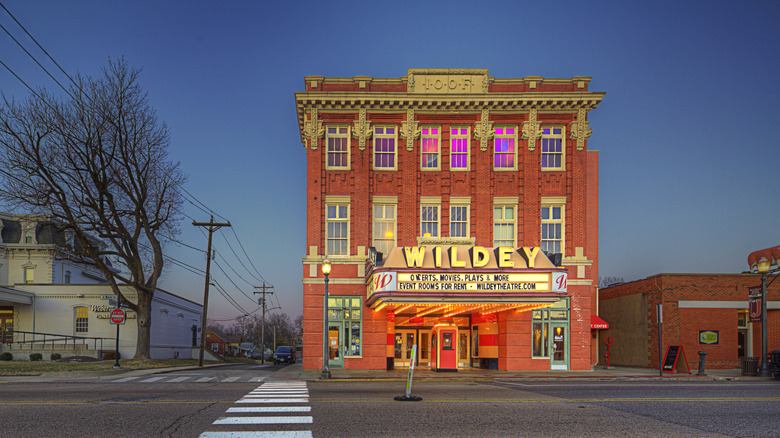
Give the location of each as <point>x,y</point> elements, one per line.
<point>263,420</point>
<point>178,379</point>
<point>257,379</point>
<point>259,434</point>
<point>273,400</point>
<point>271,409</point>
<point>231,379</point>
<point>275,395</point>
<point>279,391</point>
<point>205,379</point>
<point>153,379</point>
<point>125,379</point>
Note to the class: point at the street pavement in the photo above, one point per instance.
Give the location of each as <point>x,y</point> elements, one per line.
<point>296,372</point>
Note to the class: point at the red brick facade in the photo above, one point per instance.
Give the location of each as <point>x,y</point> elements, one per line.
<point>527,105</point>
<point>691,303</point>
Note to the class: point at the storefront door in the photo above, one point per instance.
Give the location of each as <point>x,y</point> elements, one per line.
<point>335,345</point>
<point>464,348</point>
<point>424,358</point>
<point>404,340</point>
<point>559,348</point>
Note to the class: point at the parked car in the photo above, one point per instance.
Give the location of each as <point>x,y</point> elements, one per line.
<point>284,354</point>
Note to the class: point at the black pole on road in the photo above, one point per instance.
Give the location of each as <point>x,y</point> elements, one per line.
<point>116,365</point>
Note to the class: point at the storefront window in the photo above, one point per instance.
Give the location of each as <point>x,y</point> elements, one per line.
<point>344,320</point>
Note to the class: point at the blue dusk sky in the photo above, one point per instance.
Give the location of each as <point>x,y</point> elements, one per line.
<point>687,133</point>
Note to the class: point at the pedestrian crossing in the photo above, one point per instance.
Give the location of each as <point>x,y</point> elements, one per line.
<point>286,419</point>
<point>192,378</point>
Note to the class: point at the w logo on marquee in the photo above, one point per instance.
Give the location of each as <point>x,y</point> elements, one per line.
<point>384,281</point>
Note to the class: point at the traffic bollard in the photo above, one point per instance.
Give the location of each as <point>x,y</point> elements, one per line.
<point>702,357</point>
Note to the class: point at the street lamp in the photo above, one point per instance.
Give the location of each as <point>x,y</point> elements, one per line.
<point>763,268</point>
<point>325,369</point>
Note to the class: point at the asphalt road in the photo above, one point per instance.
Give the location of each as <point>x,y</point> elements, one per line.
<point>180,406</point>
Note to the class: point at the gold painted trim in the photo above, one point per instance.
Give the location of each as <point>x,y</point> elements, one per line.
<point>338,199</point>
<point>506,200</point>
<point>385,200</point>
<point>430,200</point>
<point>460,200</point>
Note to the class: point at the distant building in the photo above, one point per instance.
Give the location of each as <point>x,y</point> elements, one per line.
<point>701,312</point>
<point>41,292</point>
<point>450,198</point>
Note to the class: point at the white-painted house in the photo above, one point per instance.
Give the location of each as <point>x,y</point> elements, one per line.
<point>71,303</point>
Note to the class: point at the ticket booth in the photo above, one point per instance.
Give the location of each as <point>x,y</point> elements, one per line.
<point>444,346</point>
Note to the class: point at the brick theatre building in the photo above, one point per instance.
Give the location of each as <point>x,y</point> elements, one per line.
<point>459,213</point>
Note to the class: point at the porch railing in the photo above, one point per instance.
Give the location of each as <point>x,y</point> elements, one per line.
<point>39,340</point>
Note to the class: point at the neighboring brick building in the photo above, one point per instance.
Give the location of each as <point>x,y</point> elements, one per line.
<point>463,162</point>
<point>701,312</point>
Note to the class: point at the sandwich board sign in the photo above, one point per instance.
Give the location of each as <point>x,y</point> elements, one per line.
<point>672,362</point>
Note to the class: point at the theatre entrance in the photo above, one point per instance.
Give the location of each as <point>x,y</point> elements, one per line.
<point>405,339</point>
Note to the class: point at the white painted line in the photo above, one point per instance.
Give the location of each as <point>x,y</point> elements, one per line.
<point>230,379</point>
<point>204,379</point>
<point>273,400</point>
<point>276,395</point>
<point>280,391</point>
<point>153,379</point>
<point>257,379</point>
<point>253,434</point>
<point>179,379</point>
<point>271,409</point>
<point>263,420</point>
<point>125,379</point>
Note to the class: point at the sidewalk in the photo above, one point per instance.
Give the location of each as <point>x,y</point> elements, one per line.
<point>296,372</point>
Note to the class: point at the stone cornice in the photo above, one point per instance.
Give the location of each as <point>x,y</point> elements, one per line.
<point>456,103</point>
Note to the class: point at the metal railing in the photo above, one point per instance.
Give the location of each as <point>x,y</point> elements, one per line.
<point>57,341</point>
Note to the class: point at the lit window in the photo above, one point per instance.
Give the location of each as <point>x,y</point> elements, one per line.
<point>384,228</point>
<point>29,275</point>
<point>82,319</point>
<point>384,148</point>
<point>429,220</point>
<point>430,148</point>
<point>541,341</point>
<point>459,148</point>
<point>504,225</point>
<point>552,229</point>
<point>337,224</point>
<point>338,147</point>
<point>504,150</point>
<point>552,148</point>
<point>459,221</point>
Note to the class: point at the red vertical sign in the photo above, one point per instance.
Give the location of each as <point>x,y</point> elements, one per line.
<point>754,304</point>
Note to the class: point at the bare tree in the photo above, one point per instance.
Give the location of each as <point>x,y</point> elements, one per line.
<point>97,163</point>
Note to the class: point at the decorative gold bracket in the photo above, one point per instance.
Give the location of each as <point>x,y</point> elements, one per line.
<point>313,129</point>
<point>483,130</point>
<point>579,128</point>
<point>410,129</point>
<point>532,129</point>
<point>362,129</point>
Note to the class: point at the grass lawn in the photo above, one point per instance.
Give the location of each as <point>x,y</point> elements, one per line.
<point>24,368</point>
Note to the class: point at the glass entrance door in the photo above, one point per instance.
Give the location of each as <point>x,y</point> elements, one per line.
<point>424,348</point>
<point>6,326</point>
<point>560,351</point>
<point>464,347</point>
<point>335,345</point>
<point>404,340</point>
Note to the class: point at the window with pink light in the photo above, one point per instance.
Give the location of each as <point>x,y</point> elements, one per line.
<point>459,148</point>
<point>429,142</point>
<point>505,148</point>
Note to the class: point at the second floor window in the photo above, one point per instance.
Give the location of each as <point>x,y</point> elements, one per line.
<point>504,150</point>
<point>384,228</point>
<point>430,148</point>
<point>459,148</point>
<point>338,147</point>
<point>337,229</point>
<point>29,275</point>
<point>67,277</point>
<point>504,225</point>
<point>552,229</point>
<point>384,148</point>
<point>429,220</point>
<point>459,221</point>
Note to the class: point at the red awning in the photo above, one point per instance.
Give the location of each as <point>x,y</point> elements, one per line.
<point>598,323</point>
<point>771,255</point>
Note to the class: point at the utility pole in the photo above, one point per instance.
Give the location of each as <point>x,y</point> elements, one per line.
<point>262,326</point>
<point>211,226</point>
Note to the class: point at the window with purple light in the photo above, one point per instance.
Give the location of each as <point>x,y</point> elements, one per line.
<point>338,147</point>
<point>384,148</point>
<point>430,148</point>
<point>504,151</point>
<point>459,148</point>
<point>552,148</point>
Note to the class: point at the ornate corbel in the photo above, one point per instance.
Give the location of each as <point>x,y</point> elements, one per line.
<point>483,130</point>
<point>579,128</point>
<point>410,129</point>
<point>532,130</point>
<point>313,128</point>
<point>361,129</point>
